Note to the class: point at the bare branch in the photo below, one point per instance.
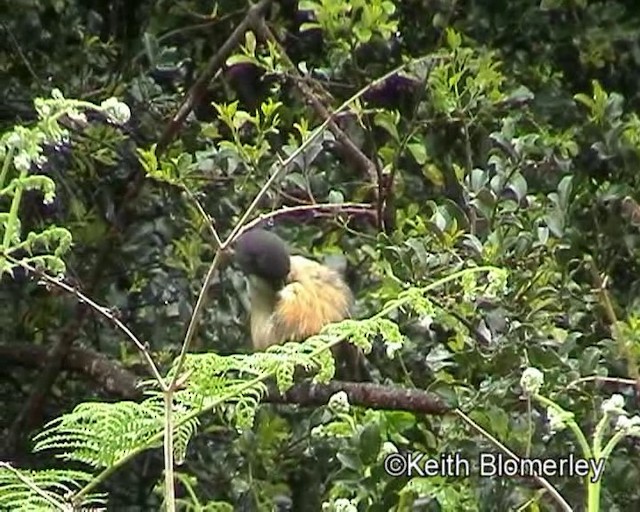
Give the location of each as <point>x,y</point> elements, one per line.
<point>101,310</point>
<point>110,375</point>
<point>216,62</point>
<point>316,210</point>
<point>373,396</point>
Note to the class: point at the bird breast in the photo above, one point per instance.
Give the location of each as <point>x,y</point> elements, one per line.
<point>313,297</point>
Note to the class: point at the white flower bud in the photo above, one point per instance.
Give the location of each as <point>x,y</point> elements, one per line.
<point>531,380</point>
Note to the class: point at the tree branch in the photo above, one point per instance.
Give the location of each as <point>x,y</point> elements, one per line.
<point>216,62</point>
<point>110,375</point>
<point>373,396</point>
<point>354,153</point>
<point>115,379</point>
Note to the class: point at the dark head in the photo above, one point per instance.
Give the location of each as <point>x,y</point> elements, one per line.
<point>263,254</point>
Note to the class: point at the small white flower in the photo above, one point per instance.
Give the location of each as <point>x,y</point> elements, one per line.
<point>116,109</point>
<point>614,405</point>
<point>557,420</point>
<point>531,380</point>
<point>339,403</point>
<point>392,348</point>
<point>14,140</point>
<point>630,426</point>
<point>76,116</point>
<point>43,108</point>
<point>387,448</point>
<point>340,505</point>
<point>22,161</point>
<point>49,198</point>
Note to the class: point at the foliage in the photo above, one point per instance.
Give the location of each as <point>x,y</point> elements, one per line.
<point>504,148</point>
<point>19,488</point>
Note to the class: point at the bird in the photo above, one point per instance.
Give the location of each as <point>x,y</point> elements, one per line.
<point>293,297</point>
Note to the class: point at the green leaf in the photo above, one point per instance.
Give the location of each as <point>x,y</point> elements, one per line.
<point>555,222</point>
<point>418,151</point>
<point>498,422</point>
<point>310,25</point>
<point>518,185</point>
<point>433,174</point>
<point>543,234</point>
<point>453,39</point>
<point>370,442</point>
<point>585,100</point>
<point>298,180</point>
<point>240,59</point>
<point>388,122</point>
<point>589,360</point>
<point>349,461</point>
<point>478,179</point>
<point>250,42</point>
<point>564,191</point>
<point>336,197</point>
<point>521,95</point>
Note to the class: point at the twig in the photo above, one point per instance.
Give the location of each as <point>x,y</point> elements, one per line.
<point>598,378</point>
<point>315,209</point>
<point>623,347</point>
<point>170,488</point>
<point>195,316</point>
<point>542,481</point>
<point>101,310</point>
<point>199,88</point>
<point>23,57</point>
<point>205,216</point>
<point>362,161</point>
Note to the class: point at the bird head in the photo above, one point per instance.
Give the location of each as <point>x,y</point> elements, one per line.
<point>264,255</point>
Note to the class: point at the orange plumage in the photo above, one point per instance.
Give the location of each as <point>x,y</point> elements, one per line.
<point>292,297</point>
<point>313,296</point>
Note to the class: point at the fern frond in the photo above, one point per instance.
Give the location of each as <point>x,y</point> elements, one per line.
<point>43,490</point>
<point>186,429</point>
<point>100,434</point>
<point>213,373</point>
<point>104,435</point>
<point>235,381</point>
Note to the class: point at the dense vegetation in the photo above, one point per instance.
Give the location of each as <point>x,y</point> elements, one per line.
<point>471,165</point>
